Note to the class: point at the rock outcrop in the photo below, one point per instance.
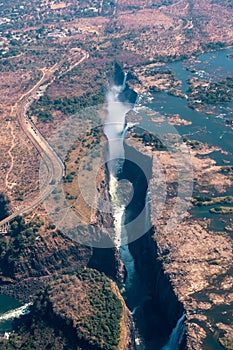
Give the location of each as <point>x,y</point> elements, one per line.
<point>162,308</point>
<point>83,310</point>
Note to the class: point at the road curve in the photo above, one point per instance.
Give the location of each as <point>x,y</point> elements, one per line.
<point>54,164</point>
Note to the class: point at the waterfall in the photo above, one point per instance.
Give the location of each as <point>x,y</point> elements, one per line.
<point>118,210</point>
<point>124,133</point>
<point>115,129</point>
<point>15,313</point>
<point>147,212</point>
<point>135,310</point>
<point>124,82</point>
<point>177,335</point>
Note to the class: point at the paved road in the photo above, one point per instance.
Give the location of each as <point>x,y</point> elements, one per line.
<point>55,166</point>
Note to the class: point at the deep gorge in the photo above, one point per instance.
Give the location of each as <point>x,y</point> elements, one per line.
<point>148,291</point>
<point>160,309</point>
<point>149,294</point>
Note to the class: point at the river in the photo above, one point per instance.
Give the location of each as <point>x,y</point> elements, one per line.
<point>211,129</point>
<point>7,304</point>
<point>207,128</point>
<point>122,165</point>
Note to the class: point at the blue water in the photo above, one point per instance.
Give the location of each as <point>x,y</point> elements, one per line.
<point>211,129</point>
<point>6,304</point>
<point>208,66</point>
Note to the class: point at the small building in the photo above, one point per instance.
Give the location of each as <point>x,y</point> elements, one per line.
<point>6,335</point>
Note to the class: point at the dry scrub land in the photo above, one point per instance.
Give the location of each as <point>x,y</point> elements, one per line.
<point>197,257</point>
<point>135,33</point>
<point>141,35</point>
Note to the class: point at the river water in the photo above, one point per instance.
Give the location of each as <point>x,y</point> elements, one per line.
<point>6,304</point>
<point>207,128</point>
<point>211,129</point>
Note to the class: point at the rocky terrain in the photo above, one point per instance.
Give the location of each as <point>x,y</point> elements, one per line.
<point>70,313</point>
<point>60,34</point>
<point>77,42</point>
<point>37,258</point>
<point>196,258</point>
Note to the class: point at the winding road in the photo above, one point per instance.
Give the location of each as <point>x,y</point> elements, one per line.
<point>54,165</point>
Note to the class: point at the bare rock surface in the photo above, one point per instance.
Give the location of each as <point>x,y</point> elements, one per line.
<point>197,259</point>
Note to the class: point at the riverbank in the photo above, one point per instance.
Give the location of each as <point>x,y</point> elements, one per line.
<point>196,254</point>
<point>196,259</point>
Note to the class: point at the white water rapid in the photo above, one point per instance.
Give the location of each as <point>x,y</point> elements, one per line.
<point>115,129</point>
<point>15,313</point>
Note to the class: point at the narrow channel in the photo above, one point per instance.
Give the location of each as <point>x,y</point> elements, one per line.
<point>128,202</point>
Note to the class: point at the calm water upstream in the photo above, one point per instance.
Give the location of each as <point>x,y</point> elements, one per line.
<point>210,129</point>
<point>207,128</point>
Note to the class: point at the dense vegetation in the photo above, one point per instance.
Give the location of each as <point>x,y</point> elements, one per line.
<point>75,312</point>
<point>4,202</point>
<point>207,200</point>
<point>12,245</point>
<point>44,107</point>
<point>102,327</point>
<point>212,93</point>
<point>148,139</point>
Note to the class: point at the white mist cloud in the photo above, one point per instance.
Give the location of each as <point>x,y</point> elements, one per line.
<point>114,127</point>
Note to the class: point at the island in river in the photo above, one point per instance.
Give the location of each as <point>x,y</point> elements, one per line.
<point>197,253</point>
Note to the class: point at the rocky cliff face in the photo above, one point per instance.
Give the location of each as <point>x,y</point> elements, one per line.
<point>34,249</point>
<point>33,252</point>
<point>187,267</point>
<point>106,260</point>
<point>164,303</point>
<point>119,78</point>
<point>32,260</point>
<point>83,310</point>
<point>162,307</point>
<point>196,258</point>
